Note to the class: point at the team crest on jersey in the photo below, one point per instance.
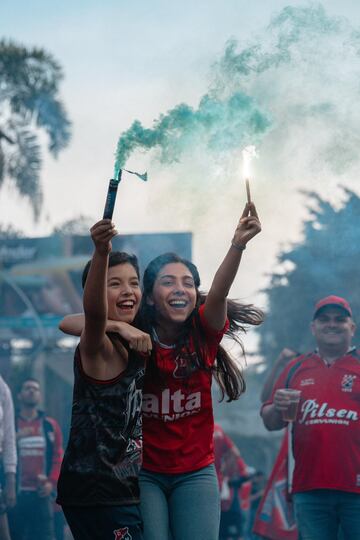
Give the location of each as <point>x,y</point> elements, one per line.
<point>122,534</point>
<point>185,364</point>
<point>347,383</point>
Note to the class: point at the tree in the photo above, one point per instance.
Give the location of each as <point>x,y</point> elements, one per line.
<point>29,105</point>
<point>8,231</point>
<point>77,226</point>
<point>325,262</point>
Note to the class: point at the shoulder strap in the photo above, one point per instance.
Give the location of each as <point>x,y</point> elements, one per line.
<point>294,369</point>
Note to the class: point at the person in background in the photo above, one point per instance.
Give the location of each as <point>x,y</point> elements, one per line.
<point>39,444</point>
<point>7,457</point>
<point>326,429</point>
<point>235,490</point>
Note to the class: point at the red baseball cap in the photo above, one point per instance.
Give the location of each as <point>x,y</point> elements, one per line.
<point>332,300</point>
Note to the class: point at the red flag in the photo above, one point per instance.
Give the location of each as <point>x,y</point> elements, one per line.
<point>275,516</point>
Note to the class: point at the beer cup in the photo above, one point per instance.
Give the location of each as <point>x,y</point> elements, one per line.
<point>289,414</point>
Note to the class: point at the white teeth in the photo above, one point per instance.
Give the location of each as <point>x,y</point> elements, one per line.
<point>126,304</point>
<point>179,303</point>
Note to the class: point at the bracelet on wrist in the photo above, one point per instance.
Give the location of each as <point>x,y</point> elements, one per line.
<point>239,247</point>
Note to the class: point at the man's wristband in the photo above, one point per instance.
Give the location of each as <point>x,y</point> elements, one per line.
<point>239,247</point>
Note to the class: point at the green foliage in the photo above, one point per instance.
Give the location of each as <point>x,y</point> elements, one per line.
<point>29,104</point>
<point>326,262</point>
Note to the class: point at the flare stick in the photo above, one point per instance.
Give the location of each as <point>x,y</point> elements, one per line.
<point>111,196</point>
<point>247,183</point>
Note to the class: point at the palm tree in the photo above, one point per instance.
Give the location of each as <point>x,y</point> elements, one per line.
<point>29,105</point>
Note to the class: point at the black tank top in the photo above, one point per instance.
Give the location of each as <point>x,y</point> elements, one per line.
<point>103,456</point>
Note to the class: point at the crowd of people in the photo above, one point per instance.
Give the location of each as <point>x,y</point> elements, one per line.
<point>144,460</point>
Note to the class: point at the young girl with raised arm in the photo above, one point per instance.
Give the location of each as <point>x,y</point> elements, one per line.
<point>98,485</point>
<point>179,489</point>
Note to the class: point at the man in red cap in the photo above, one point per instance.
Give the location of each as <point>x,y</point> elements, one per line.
<point>326,428</point>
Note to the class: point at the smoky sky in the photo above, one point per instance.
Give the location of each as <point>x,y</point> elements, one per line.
<point>294,86</point>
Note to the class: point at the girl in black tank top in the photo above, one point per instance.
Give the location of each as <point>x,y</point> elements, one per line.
<point>98,484</point>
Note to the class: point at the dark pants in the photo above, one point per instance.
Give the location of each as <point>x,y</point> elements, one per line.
<point>104,522</point>
<point>32,517</point>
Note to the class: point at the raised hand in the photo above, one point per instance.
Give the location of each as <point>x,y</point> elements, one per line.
<point>248,226</point>
<point>102,233</point>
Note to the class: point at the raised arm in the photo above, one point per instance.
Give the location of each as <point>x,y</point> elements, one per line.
<point>215,304</point>
<point>95,291</point>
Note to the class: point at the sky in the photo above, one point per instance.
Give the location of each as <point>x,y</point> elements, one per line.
<point>281,75</point>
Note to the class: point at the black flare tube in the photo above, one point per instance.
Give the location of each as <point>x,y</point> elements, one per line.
<point>111,197</point>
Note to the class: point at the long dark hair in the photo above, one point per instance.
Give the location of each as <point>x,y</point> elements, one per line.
<point>226,371</point>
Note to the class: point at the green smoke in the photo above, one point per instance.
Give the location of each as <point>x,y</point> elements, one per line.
<point>298,76</point>
<point>219,125</point>
<point>290,37</point>
<point>304,69</point>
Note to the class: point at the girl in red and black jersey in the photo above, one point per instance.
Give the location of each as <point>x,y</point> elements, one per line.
<point>178,484</point>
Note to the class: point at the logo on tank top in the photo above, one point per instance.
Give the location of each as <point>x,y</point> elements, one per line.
<point>185,365</point>
<point>122,534</point>
<point>130,464</point>
<point>347,383</point>
<point>133,408</point>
